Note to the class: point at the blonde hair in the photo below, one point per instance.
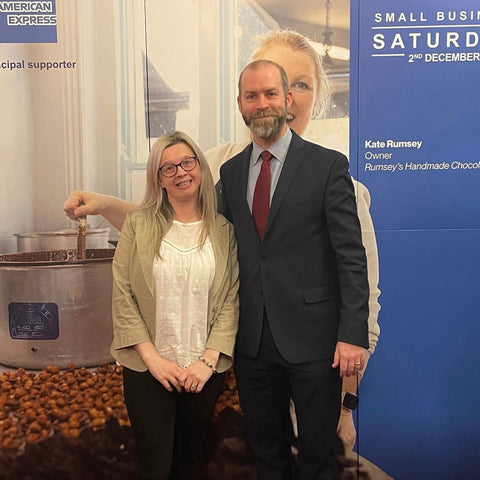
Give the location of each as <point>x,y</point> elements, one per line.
<point>298,43</point>
<point>156,202</point>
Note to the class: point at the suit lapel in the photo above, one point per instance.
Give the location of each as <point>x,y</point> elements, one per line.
<point>293,161</point>
<point>245,215</point>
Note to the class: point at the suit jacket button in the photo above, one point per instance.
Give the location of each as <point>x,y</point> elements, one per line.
<point>263,257</point>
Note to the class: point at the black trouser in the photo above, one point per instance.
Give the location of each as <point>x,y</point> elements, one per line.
<point>170,428</point>
<point>265,384</point>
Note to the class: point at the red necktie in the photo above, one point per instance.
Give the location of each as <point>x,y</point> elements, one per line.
<point>261,196</point>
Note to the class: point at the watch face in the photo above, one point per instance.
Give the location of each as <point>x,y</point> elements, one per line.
<point>350,401</point>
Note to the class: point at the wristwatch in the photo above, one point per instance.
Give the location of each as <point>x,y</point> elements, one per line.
<point>349,400</point>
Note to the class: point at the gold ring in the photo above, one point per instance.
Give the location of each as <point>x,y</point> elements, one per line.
<point>193,386</point>
<point>357,364</point>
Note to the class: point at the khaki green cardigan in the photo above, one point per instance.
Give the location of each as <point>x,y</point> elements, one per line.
<point>133,303</point>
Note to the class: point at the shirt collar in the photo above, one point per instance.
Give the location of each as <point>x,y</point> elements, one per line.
<point>278,149</point>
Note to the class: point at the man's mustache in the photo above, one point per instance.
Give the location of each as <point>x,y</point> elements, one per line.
<point>267,113</point>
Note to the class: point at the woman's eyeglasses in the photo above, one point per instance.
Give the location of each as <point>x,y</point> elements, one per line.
<point>170,169</point>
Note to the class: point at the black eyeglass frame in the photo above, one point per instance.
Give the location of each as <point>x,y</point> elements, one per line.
<point>176,165</point>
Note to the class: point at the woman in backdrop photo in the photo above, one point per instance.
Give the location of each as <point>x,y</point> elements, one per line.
<point>175,309</point>
<point>310,98</point>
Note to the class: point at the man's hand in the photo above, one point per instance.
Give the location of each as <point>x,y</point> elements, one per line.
<point>350,358</point>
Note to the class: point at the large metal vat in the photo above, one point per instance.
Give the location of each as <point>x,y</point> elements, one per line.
<point>55,309</point>
<point>61,239</point>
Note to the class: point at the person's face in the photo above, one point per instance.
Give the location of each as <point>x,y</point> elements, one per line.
<point>183,186</point>
<point>263,103</point>
<point>300,71</point>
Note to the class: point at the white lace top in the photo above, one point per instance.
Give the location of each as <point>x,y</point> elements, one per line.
<point>182,281</point>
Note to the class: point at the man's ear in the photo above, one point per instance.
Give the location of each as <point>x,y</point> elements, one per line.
<point>289,98</point>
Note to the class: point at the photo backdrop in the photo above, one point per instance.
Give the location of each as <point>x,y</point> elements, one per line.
<point>73,76</point>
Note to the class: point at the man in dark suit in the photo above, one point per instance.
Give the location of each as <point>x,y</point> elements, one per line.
<point>303,281</point>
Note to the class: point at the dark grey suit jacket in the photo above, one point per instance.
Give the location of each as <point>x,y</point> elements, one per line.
<point>310,271</point>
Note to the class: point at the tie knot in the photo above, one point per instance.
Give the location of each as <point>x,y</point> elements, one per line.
<point>266,155</point>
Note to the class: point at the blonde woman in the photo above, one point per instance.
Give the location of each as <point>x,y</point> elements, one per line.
<point>175,309</point>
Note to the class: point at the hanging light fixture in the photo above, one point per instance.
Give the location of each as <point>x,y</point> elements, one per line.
<point>327,35</point>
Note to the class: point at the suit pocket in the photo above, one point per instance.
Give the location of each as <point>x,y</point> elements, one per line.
<point>302,197</point>
<point>320,294</point>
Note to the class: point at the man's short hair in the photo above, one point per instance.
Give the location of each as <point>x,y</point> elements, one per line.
<point>262,63</point>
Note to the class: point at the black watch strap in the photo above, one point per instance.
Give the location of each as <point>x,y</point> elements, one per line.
<point>349,400</point>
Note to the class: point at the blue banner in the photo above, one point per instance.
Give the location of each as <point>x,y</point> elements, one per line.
<point>415,71</point>
<point>417,132</point>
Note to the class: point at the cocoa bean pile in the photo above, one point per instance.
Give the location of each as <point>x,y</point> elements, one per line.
<point>34,406</point>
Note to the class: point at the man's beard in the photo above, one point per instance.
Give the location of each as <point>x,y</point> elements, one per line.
<point>266,125</point>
